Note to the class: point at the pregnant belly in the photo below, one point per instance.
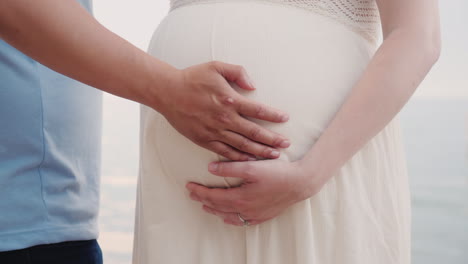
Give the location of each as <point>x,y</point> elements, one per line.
<point>301,62</point>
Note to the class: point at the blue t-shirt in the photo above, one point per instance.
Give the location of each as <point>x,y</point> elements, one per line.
<point>50,143</point>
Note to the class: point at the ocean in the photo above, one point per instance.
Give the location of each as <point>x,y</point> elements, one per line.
<point>435,133</point>
<point>436,140</point>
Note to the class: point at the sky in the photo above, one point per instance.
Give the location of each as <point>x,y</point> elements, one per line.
<point>136,21</point>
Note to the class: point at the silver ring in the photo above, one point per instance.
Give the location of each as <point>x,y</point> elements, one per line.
<point>245,222</point>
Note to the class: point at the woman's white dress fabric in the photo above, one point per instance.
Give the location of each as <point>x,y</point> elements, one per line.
<point>305,57</point>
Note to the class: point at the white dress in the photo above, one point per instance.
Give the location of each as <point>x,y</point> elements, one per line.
<point>304,56</point>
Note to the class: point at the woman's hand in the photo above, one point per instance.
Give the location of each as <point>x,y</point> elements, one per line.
<point>269,187</point>
<point>410,48</point>
<point>201,105</point>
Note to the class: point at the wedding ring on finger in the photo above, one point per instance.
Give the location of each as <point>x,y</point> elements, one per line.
<point>244,222</point>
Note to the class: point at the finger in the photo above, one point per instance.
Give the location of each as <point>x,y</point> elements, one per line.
<point>227,151</point>
<point>221,199</point>
<point>246,145</point>
<point>194,197</point>
<point>209,203</point>
<point>259,134</point>
<point>230,217</point>
<point>235,220</point>
<point>256,110</point>
<point>235,73</point>
<point>244,170</point>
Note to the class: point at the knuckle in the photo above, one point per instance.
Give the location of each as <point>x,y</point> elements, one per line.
<point>214,63</point>
<point>203,137</point>
<point>223,152</point>
<point>212,131</point>
<point>228,99</point>
<point>234,156</point>
<point>260,110</point>
<point>223,118</point>
<point>222,135</point>
<point>266,152</point>
<point>255,133</point>
<point>242,70</point>
<point>244,144</point>
<point>241,157</point>
<point>277,140</point>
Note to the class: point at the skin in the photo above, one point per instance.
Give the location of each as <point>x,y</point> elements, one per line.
<point>66,38</point>
<point>410,48</point>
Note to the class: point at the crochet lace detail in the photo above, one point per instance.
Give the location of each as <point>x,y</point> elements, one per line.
<point>362,16</point>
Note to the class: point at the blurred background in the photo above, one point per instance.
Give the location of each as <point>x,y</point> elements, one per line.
<point>435,129</point>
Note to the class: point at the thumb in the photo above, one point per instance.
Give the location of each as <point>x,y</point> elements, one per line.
<point>240,169</point>
<point>235,73</point>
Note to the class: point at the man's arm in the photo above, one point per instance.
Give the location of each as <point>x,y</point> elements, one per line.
<point>66,38</point>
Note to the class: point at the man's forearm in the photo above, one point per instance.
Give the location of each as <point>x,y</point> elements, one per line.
<point>64,37</point>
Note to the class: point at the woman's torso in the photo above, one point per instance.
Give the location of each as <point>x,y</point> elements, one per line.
<point>302,61</point>
<point>305,63</point>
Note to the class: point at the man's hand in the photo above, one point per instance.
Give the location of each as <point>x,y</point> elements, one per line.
<point>200,103</point>
<point>197,101</point>
<point>269,187</point>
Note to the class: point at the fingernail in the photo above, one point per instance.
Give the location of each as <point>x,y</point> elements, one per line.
<point>275,153</point>
<point>252,159</point>
<point>213,166</point>
<point>285,144</point>
<point>251,82</point>
<point>284,118</point>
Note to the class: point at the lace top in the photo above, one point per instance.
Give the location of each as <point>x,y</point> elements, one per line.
<point>362,16</point>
